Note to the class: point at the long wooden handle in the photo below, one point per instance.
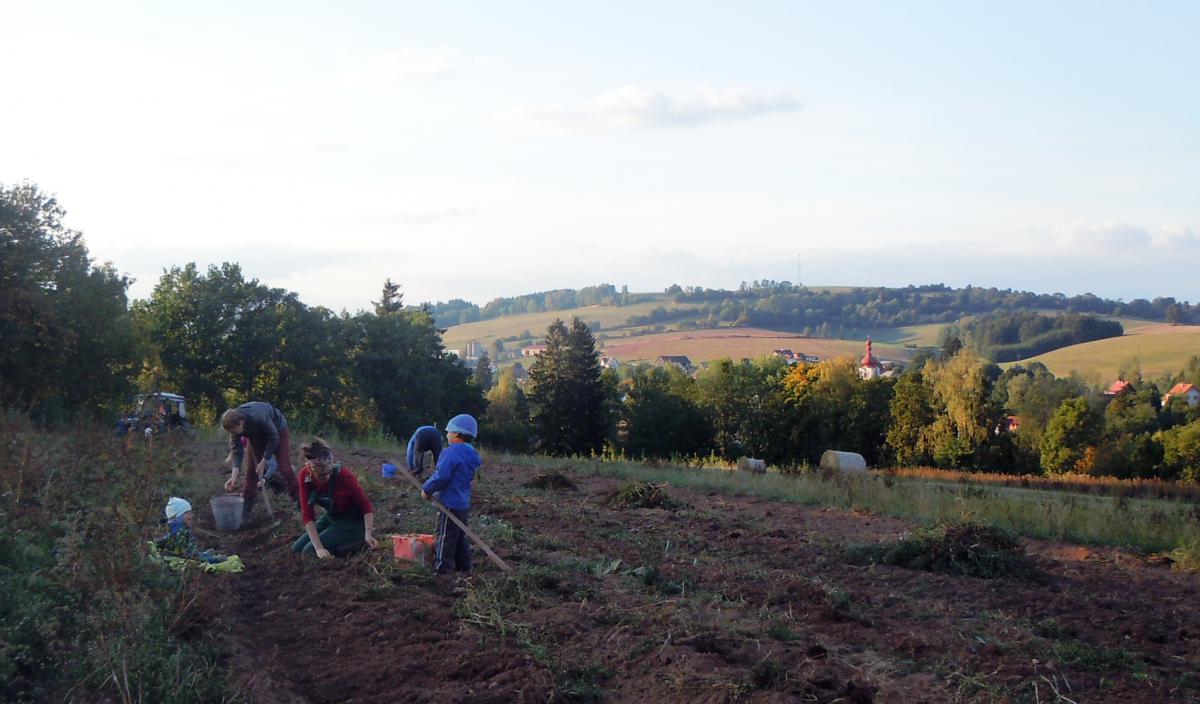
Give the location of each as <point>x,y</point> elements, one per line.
<point>402,469</point>
<point>254,463</point>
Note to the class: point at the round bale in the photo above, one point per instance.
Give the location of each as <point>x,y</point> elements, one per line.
<point>845,462</point>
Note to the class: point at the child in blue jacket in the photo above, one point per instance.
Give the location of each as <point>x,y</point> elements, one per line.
<point>451,481</point>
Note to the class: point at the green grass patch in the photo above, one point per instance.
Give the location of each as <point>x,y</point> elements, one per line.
<point>1097,659</point>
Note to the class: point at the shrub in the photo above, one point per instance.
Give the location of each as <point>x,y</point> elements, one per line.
<point>640,495</point>
<point>966,548</point>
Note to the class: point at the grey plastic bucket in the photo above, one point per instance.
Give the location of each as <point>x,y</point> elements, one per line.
<point>227,512</point>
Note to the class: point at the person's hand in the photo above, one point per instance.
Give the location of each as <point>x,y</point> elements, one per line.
<point>424,495</point>
<point>371,541</point>
<point>262,484</point>
<point>261,468</point>
<point>230,484</point>
<point>322,553</point>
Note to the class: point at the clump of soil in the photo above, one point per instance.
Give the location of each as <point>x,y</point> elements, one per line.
<point>640,495</point>
<point>553,480</point>
<point>966,548</point>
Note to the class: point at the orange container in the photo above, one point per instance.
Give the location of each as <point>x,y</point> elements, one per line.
<point>414,547</point>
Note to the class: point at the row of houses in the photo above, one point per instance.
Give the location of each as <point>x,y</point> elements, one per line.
<point>1188,392</point>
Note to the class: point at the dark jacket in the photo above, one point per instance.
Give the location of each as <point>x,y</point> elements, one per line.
<point>426,439</point>
<point>262,427</point>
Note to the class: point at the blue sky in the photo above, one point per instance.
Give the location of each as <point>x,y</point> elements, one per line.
<point>479,150</point>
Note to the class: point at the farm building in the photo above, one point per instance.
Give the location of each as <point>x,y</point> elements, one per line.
<point>532,350</point>
<point>1188,392</point>
<point>678,360</point>
<point>610,363</point>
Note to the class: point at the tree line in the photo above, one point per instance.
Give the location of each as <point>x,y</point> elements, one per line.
<point>72,345</point>
<point>457,311</point>
<point>1008,337</point>
<point>825,312</point>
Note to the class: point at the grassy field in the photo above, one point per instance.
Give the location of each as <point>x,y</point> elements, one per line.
<point>707,345</point>
<point>608,316</point>
<point>1159,348</point>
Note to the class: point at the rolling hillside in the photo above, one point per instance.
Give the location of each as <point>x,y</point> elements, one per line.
<point>1161,349</point>
<point>706,345</point>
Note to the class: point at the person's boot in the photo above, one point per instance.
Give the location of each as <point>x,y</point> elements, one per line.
<point>247,511</point>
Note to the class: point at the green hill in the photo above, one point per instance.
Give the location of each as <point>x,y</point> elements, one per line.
<point>1160,349</point>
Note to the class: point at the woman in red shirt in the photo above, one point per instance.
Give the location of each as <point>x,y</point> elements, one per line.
<point>349,518</point>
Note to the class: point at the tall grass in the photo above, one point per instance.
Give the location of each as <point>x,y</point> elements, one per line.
<point>1081,483</point>
<point>85,615</point>
<point>1139,524</point>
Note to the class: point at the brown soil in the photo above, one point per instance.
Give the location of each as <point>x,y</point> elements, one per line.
<point>725,599</point>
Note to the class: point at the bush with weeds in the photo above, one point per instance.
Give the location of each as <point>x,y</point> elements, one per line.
<point>84,614</point>
<point>965,548</point>
<point>641,495</point>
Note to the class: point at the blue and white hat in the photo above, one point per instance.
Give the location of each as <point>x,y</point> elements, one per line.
<point>176,507</point>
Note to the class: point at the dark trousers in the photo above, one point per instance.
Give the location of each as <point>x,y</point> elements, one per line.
<point>283,455</point>
<point>341,537</point>
<point>452,548</point>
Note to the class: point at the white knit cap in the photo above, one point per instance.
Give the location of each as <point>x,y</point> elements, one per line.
<point>176,507</point>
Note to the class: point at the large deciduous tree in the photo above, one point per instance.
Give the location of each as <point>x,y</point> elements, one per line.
<point>505,424</point>
<point>1072,431</point>
<point>66,338</point>
<point>659,415</point>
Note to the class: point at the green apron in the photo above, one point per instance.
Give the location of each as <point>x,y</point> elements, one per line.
<point>341,533</point>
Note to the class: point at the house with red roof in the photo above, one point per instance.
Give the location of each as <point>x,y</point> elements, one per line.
<point>1120,386</point>
<point>1188,392</point>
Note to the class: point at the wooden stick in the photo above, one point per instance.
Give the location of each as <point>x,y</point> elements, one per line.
<point>263,488</point>
<point>402,469</point>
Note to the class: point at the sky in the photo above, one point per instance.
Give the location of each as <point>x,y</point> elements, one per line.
<point>476,150</point>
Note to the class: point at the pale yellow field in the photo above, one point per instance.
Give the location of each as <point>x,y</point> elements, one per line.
<point>485,331</point>
<point>707,345</point>
<point>1160,349</point>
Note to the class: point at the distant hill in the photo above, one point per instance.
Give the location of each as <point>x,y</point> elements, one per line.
<point>738,343</point>
<point>1159,349</point>
<point>706,324</point>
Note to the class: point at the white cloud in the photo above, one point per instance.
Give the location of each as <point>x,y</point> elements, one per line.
<point>1179,238</point>
<point>632,107</point>
<point>395,65</point>
<point>1090,236</point>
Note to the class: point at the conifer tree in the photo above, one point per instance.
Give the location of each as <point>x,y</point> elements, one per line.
<point>570,413</point>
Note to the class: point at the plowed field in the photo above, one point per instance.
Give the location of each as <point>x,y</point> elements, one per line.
<point>716,599</point>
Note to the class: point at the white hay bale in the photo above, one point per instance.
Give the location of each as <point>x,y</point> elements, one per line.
<point>845,462</point>
<point>749,464</point>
